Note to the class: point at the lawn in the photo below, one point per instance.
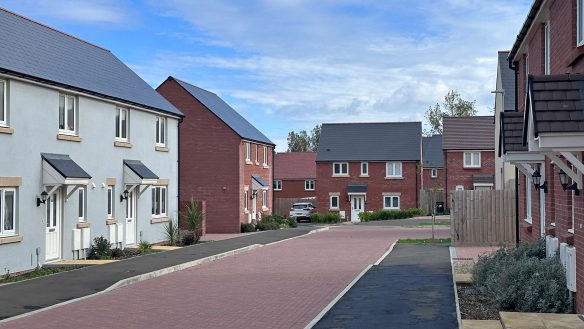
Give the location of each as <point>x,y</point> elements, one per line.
<point>444,223</point>
<point>424,241</point>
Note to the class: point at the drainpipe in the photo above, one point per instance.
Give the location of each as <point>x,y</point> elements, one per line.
<point>178,173</point>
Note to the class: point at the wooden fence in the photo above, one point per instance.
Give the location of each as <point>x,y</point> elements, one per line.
<point>282,205</point>
<point>428,199</point>
<point>483,217</point>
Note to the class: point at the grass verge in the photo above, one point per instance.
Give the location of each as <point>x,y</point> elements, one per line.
<point>424,241</point>
<point>444,223</point>
<point>36,273</point>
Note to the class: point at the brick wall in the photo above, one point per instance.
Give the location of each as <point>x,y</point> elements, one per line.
<point>456,174</point>
<point>430,182</point>
<point>294,189</point>
<point>407,187</point>
<point>247,169</point>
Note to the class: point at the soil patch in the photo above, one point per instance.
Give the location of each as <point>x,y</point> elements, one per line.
<point>474,306</point>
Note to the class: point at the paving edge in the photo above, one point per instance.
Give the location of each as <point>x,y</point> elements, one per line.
<point>138,278</point>
<point>339,296</point>
<point>458,316</point>
<point>386,253</point>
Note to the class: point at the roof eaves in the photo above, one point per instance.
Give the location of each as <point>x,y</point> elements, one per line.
<point>535,7</point>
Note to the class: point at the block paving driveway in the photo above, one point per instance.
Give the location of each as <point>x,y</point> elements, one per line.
<point>283,285</point>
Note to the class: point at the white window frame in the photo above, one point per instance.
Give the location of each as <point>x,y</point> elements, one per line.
<point>4,104</point>
<point>546,48</point>
<point>257,154</point>
<point>309,184</point>
<point>159,201</point>
<point>433,172</point>
<point>264,199</point>
<point>119,135</point>
<point>82,197</point>
<point>472,158</point>
<point>110,201</point>
<point>245,201</point>
<point>459,188</point>
<point>67,99</point>
<point>528,217</point>
<point>277,185</point>
<point>580,22</point>
<point>337,197</point>
<point>391,169</point>
<point>340,165</point>
<point>365,172</point>
<point>160,131</point>
<point>265,150</point>
<point>3,190</point>
<point>391,197</point>
<point>247,151</point>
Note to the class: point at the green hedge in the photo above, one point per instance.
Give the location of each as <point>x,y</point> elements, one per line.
<point>270,222</point>
<point>331,217</point>
<point>391,214</point>
<point>522,279</point>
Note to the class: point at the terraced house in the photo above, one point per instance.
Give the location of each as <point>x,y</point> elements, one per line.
<point>544,139</point>
<point>368,166</point>
<point>224,160</point>
<point>88,148</point>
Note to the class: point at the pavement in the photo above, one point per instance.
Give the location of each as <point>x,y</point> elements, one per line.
<point>281,285</point>
<point>22,297</point>
<point>411,288</point>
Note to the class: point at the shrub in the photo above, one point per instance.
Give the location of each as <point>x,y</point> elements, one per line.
<point>100,249</point>
<point>193,215</point>
<point>331,217</point>
<point>267,225</point>
<point>188,238</point>
<point>390,214</point>
<point>171,233</point>
<point>524,280</point>
<point>117,253</point>
<point>246,228</point>
<point>145,247</point>
<point>292,222</point>
<point>417,212</point>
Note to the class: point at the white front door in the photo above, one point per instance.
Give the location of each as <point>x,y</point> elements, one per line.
<point>254,204</point>
<point>131,219</point>
<point>357,206</point>
<point>53,231</point>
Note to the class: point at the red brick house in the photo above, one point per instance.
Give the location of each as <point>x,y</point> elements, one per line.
<point>469,152</point>
<point>368,166</point>
<point>223,159</point>
<point>547,57</point>
<point>433,172</point>
<point>295,175</point>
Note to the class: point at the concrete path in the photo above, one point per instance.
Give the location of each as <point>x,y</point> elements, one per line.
<point>23,297</point>
<point>283,285</point>
<point>411,288</point>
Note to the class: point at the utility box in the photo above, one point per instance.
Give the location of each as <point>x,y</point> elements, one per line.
<point>440,207</point>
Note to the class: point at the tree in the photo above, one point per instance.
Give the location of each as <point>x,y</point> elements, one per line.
<point>302,142</point>
<point>453,106</point>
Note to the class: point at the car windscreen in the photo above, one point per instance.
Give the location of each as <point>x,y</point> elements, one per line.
<point>299,206</point>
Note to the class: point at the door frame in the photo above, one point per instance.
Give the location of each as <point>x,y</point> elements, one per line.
<point>131,205</point>
<point>352,200</point>
<point>58,222</point>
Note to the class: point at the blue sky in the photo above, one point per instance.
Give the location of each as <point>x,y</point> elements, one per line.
<point>290,64</point>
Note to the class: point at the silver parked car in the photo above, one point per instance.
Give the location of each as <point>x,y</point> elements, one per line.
<point>302,210</point>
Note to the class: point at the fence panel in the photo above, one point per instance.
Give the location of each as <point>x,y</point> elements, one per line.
<point>428,199</point>
<point>282,205</point>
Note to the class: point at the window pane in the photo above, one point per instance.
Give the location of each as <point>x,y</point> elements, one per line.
<point>157,130</point>
<point>71,113</point>
<point>395,202</point>
<point>387,202</point>
<point>163,200</point>
<point>153,200</point>
<point>110,202</point>
<point>467,159</point>
<point>81,203</point>
<point>2,108</point>
<point>9,210</point>
<point>48,208</point>
<point>344,167</point>
<point>54,209</point>
<point>162,132</point>
<point>61,112</point>
<point>398,169</point>
<point>118,123</point>
<point>475,160</point>
<point>124,124</point>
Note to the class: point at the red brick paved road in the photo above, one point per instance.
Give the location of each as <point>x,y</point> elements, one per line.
<point>284,285</point>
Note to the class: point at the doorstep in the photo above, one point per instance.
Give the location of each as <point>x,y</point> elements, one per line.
<point>165,247</point>
<point>481,324</point>
<point>517,320</point>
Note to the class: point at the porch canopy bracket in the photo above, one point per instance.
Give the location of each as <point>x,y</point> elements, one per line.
<point>575,176</point>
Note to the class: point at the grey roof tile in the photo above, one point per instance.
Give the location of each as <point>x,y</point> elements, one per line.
<point>140,169</point>
<point>432,156</point>
<point>225,113</point>
<point>39,52</point>
<point>512,132</point>
<point>469,133</point>
<point>384,141</point>
<point>260,180</point>
<point>65,166</point>
<point>356,188</point>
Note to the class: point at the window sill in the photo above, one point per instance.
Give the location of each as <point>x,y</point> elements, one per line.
<point>10,239</point>
<point>245,211</point>
<point>6,130</point>
<point>309,190</point>
<point>257,163</point>
<point>571,230</point>
<point>266,167</point>
<point>340,175</point>
<point>123,144</point>
<point>70,138</point>
<point>265,208</point>
<point>394,177</point>
<point>161,148</point>
<point>159,220</point>
<point>277,190</point>
<point>364,175</point>
<point>248,162</point>
<point>111,221</point>
<point>391,208</point>
<point>83,225</point>
<point>471,167</point>
<point>334,209</point>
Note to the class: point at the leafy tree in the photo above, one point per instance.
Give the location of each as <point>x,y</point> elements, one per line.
<point>453,106</point>
<point>302,142</point>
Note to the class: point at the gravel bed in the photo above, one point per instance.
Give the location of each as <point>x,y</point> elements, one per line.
<point>474,306</point>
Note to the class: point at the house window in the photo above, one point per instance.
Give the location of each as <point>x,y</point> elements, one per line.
<point>264,199</point>
<point>546,49</point>
<point>265,149</point>
<point>257,154</point>
<point>459,188</point>
<point>472,159</point>
<point>81,214</point>
<point>122,124</point>
<point>334,202</point>
<point>309,185</point>
<point>7,211</point>
<point>247,152</point>
<point>434,173</point>
<point>3,104</point>
<point>67,114</point>
<point>364,168</point>
<point>393,169</point>
<point>390,202</point>
<point>160,131</point>
<point>580,23</point>
<point>159,201</point>
<point>277,185</point>
<point>340,168</point>
<point>528,199</point>
<point>245,200</point>
<point>110,201</point>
